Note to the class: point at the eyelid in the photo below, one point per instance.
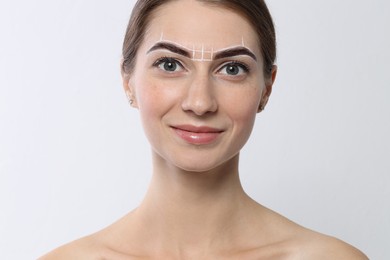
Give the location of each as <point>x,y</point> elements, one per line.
<point>166,58</point>
<point>240,64</point>
<point>163,59</point>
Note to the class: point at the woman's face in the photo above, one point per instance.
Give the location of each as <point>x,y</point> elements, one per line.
<point>198,83</point>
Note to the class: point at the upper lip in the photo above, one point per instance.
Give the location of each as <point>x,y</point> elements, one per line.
<point>198,129</point>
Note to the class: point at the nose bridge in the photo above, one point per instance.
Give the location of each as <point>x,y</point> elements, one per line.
<point>200,97</point>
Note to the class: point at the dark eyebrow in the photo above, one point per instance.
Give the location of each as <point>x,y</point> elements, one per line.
<point>170,47</point>
<point>235,52</point>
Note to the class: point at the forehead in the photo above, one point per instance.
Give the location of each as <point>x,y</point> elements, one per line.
<point>198,25</point>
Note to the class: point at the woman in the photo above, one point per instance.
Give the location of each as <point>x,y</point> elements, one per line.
<point>199,72</point>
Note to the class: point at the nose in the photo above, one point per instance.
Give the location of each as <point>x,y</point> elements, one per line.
<point>200,96</point>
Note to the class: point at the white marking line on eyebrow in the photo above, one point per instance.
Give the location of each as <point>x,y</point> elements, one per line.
<point>178,45</point>
<point>232,47</point>
<point>194,51</point>
<point>201,59</point>
<point>200,51</point>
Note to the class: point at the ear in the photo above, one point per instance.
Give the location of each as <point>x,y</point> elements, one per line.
<point>268,89</point>
<point>128,86</point>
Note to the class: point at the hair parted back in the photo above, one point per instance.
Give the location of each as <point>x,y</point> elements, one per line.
<point>255,11</point>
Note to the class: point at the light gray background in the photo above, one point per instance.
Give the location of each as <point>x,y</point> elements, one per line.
<point>73,157</point>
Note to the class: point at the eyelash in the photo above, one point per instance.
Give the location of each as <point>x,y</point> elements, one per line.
<point>167,59</point>
<point>237,63</point>
<point>161,60</point>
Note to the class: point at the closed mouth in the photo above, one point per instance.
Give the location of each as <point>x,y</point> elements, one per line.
<point>197,129</point>
<point>197,135</point>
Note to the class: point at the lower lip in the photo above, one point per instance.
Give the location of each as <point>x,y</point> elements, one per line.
<point>197,138</point>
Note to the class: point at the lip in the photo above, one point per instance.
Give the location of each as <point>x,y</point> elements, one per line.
<point>197,134</point>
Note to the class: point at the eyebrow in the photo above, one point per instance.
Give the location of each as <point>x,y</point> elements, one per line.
<point>234,52</point>
<point>230,52</point>
<point>170,47</point>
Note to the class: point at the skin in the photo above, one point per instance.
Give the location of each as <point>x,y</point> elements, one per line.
<point>195,207</point>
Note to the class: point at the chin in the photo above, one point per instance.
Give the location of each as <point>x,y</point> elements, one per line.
<point>203,165</point>
<point>196,169</point>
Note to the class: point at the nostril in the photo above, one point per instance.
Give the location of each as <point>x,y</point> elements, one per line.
<point>200,105</point>
<point>200,98</point>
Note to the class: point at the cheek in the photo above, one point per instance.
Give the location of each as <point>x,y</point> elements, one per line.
<point>154,98</point>
<point>242,112</point>
<point>152,106</point>
<point>243,106</point>
<point>148,103</point>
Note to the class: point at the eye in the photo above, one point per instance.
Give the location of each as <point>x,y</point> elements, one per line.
<point>168,64</point>
<point>234,69</point>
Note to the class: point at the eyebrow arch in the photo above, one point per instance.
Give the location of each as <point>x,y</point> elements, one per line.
<point>170,47</point>
<point>235,52</point>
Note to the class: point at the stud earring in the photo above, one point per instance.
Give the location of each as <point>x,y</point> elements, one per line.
<point>131,101</point>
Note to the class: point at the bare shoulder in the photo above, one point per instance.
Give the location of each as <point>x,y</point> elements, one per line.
<point>90,247</point>
<point>322,247</point>
<point>84,248</point>
<point>296,242</point>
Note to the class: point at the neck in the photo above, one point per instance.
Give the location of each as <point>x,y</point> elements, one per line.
<point>190,209</point>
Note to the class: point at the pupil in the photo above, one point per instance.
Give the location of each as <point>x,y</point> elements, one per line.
<point>170,66</point>
<point>233,70</point>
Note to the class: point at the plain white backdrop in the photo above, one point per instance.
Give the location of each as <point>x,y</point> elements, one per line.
<point>73,157</point>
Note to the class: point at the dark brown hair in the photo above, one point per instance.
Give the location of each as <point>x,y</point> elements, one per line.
<point>255,11</point>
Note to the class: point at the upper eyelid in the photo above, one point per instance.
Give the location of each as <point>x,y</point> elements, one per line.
<point>165,58</point>
<point>180,60</point>
<point>161,60</point>
<point>243,65</point>
<point>239,58</point>
<point>242,61</point>
<point>221,63</point>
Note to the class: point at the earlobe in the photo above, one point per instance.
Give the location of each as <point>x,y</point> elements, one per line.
<point>262,105</point>
<point>130,98</point>
<point>129,89</point>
